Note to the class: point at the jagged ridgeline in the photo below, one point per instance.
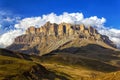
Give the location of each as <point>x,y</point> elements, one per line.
<point>51,37</point>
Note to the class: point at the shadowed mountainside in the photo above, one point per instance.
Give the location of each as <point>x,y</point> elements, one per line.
<point>92,54</point>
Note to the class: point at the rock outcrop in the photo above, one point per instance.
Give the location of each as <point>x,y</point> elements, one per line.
<point>53,36</point>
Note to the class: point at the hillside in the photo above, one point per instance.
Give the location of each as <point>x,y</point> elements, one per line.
<point>60,65</point>
<point>84,63</point>
<point>13,67</point>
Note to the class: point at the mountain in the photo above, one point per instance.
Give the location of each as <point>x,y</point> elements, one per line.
<point>61,52</point>
<point>51,37</point>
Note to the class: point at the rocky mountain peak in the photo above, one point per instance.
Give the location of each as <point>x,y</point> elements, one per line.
<point>61,29</point>
<point>51,36</point>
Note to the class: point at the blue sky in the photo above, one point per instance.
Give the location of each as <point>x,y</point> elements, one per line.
<point>101,8</point>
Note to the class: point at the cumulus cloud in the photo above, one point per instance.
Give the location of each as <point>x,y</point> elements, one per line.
<point>94,21</point>
<point>113,34</point>
<point>74,18</point>
<point>52,17</point>
<point>8,38</point>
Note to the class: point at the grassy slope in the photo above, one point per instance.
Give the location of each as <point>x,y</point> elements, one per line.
<point>13,67</point>
<point>76,67</point>
<point>90,62</point>
<point>80,73</point>
<point>63,66</point>
<point>86,69</point>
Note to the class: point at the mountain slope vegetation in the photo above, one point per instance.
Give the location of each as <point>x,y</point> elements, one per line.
<point>63,64</point>
<point>13,67</point>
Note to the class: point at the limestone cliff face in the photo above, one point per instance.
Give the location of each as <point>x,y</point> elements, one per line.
<point>51,37</point>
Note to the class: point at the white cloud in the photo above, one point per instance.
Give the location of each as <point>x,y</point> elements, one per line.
<point>94,21</point>
<point>8,38</point>
<point>27,22</point>
<point>73,18</point>
<point>113,34</point>
<point>53,18</point>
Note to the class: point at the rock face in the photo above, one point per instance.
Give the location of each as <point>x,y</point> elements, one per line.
<point>52,37</point>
